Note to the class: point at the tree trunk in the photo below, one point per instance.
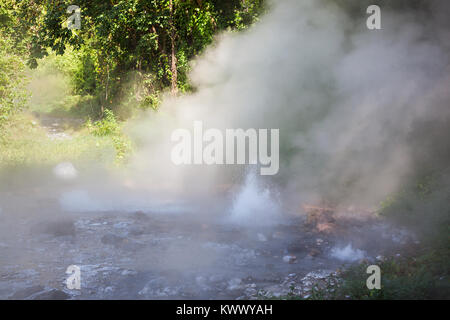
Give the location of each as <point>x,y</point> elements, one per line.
<point>106,88</point>
<point>173,58</point>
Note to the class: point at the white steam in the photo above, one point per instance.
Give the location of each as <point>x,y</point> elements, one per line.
<point>346,100</point>
<point>254,205</point>
<point>347,253</point>
<point>65,171</point>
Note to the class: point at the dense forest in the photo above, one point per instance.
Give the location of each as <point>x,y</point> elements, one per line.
<point>152,41</point>
<point>125,56</point>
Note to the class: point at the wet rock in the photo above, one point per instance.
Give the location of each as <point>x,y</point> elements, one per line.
<point>26,292</point>
<point>136,231</point>
<point>289,259</point>
<point>127,272</point>
<point>121,225</point>
<point>52,294</point>
<point>94,276</point>
<point>234,284</point>
<point>275,291</point>
<point>121,242</point>
<point>158,288</point>
<point>39,293</point>
<point>380,258</point>
<point>314,252</point>
<point>56,228</point>
<point>112,239</point>
<point>107,290</point>
<point>62,228</point>
<point>318,274</point>
<point>141,216</point>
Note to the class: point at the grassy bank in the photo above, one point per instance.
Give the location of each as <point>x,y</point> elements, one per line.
<point>422,270</point>
<point>24,142</point>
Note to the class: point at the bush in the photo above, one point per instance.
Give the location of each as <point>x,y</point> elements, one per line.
<point>13,95</point>
<point>108,126</point>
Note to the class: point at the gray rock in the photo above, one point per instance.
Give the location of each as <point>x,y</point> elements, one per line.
<point>26,292</point>
<point>121,242</point>
<point>141,216</point>
<point>56,228</point>
<point>52,294</point>
<point>113,240</point>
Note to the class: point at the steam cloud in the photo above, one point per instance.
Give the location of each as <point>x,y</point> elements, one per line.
<point>354,106</point>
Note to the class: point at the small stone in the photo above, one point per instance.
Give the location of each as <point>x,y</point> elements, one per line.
<point>289,259</point>
<point>261,237</point>
<point>140,215</point>
<point>234,284</point>
<point>314,252</point>
<point>52,294</point>
<point>121,225</point>
<point>108,289</point>
<point>136,231</point>
<point>56,228</point>
<point>112,239</point>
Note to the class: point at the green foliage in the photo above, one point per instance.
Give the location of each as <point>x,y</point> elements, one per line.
<point>120,60</point>
<point>108,126</point>
<point>54,89</point>
<point>13,96</point>
<point>424,272</point>
<point>248,13</point>
<point>123,148</point>
<point>84,75</point>
<point>423,277</point>
<point>422,205</point>
<point>121,36</point>
<point>24,143</point>
<point>151,101</point>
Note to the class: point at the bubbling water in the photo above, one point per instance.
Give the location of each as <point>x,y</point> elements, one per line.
<point>347,253</point>
<point>255,204</point>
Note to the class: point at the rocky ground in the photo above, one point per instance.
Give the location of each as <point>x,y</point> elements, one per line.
<point>142,255</point>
